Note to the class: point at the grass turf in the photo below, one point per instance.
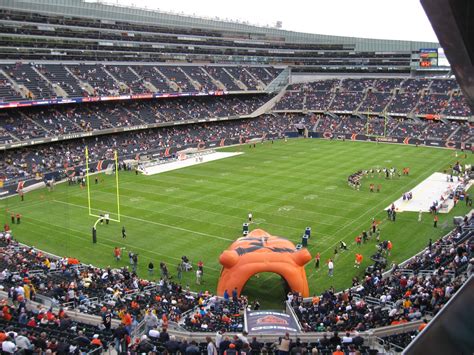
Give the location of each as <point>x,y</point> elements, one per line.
<point>198,211</point>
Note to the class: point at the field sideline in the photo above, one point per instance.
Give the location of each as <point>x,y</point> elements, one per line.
<point>198,211</point>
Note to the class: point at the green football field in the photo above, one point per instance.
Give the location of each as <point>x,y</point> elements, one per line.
<point>198,211</point>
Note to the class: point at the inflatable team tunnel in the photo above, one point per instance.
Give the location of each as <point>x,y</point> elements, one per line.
<point>260,252</point>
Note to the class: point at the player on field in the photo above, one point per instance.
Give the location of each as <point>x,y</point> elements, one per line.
<point>124,234</point>
<point>316,260</point>
<point>358,260</point>
<point>117,253</point>
<point>250,217</point>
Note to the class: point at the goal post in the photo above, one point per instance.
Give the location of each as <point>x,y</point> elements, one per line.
<point>88,186</point>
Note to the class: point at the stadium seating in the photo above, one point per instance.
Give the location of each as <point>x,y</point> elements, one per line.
<point>423,286</point>
<point>375,102</point>
<point>7,91</point>
<point>86,80</point>
<point>24,74</point>
<point>192,68</point>
<point>394,95</point>
<point>346,101</point>
<point>42,331</point>
<point>39,122</point>
<point>59,75</point>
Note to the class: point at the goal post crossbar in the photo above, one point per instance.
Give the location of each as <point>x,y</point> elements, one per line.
<point>103,218</point>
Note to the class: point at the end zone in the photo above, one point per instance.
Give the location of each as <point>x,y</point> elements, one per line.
<point>152,168</point>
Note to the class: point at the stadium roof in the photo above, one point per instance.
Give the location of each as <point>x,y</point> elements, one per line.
<point>106,12</point>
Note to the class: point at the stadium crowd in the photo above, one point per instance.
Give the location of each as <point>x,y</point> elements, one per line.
<point>396,95</point>
<point>38,122</point>
<point>422,287</point>
<point>26,163</point>
<point>91,80</point>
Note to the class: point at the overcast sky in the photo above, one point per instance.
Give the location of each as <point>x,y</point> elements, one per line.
<point>389,19</point>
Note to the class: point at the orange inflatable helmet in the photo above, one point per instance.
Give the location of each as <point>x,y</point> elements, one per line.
<point>260,252</point>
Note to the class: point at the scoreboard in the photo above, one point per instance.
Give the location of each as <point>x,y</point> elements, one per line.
<point>428,57</point>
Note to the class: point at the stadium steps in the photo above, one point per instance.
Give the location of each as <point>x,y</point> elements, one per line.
<point>333,93</point>
<point>26,117</point>
<point>121,84</point>
<point>19,88</point>
<point>261,85</point>
<point>316,124</point>
<point>280,82</point>
<point>269,105</point>
<point>134,115</point>
<point>146,83</point>
<point>9,93</point>
<point>84,85</point>
<point>420,99</point>
<point>304,103</point>
<point>390,101</point>
<point>214,80</point>
<point>240,84</point>
<point>197,86</point>
<point>173,86</point>
<point>59,91</point>
<point>451,93</point>
<point>454,132</point>
<point>362,101</point>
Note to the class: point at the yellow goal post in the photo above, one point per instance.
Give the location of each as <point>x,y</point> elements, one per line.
<point>90,209</point>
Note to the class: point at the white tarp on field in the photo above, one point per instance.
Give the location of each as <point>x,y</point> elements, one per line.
<point>178,164</point>
<point>427,192</point>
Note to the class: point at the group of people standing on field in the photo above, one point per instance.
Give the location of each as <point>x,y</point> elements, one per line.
<point>354,180</point>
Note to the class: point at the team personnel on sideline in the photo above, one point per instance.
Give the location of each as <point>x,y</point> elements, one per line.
<point>358,260</point>
<point>316,260</point>
<point>330,268</point>
<point>117,253</point>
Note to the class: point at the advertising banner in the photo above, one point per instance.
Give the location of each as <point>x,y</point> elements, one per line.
<point>270,322</point>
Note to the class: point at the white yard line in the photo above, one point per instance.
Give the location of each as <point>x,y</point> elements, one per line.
<point>368,211</point>
<point>155,223</point>
<point>129,246</point>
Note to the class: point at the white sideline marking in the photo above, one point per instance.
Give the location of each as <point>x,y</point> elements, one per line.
<point>156,223</point>
<point>425,193</point>
<point>178,164</point>
<point>331,188</point>
<point>130,246</point>
<point>285,208</point>
<point>258,221</point>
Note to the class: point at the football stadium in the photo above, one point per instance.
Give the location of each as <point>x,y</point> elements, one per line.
<point>173,184</point>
